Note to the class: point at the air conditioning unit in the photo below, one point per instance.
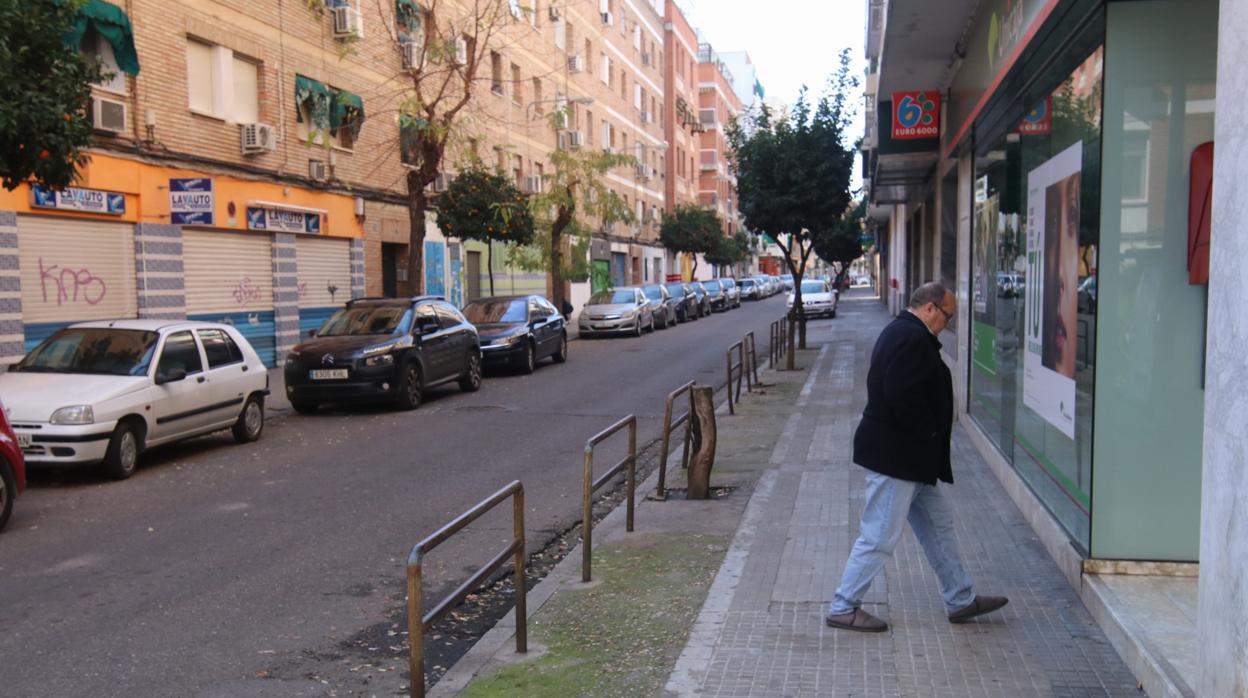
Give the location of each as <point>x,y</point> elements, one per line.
<point>411,55</point>
<point>646,59</point>
<point>348,22</point>
<point>531,184</point>
<point>571,140</point>
<point>576,64</point>
<point>643,172</point>
<point>108,114</point>
<point>318,170</point>
<point>555,14</point>
<point>257,138</point>
<point>607,18</point>
<point>647,117</point>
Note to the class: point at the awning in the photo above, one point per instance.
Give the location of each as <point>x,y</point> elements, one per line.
<point>317,98</point>
<point>347,111</point>
<point>110,22</point>
<point>407,13</point>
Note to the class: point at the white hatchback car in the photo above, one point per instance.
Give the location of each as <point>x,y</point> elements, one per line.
<point>104,391</point>
<point>818,298</point>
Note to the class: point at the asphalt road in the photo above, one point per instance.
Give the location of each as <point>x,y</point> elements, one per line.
<point>216,563</point>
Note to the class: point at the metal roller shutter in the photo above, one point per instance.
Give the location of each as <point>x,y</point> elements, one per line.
<point>74,269</point>
<point>229,278</point>
<point>324,279</point>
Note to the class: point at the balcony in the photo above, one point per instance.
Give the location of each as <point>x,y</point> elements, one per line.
<point>708,160</point>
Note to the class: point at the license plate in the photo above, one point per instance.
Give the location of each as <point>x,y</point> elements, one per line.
<point>23,440</point>
<point>325,374</point>
<point>602,327</point>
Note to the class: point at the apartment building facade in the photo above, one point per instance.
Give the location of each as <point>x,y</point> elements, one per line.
<point>249,160</point>
<point>718,106</point>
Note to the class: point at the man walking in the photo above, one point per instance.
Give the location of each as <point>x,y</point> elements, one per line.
<point>903,440</point>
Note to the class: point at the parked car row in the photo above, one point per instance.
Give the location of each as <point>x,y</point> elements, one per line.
<point>101,393</point>
<point>756,288</point>
<point>637,309</point>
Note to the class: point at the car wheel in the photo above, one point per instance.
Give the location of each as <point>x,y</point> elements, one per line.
<point>471,382</point>
<point>8,491</point>
<point>410,387</point>
<point>833,314</point>
<point>561,354</point>
<point>637,327</point>
<point>528,362</point>
<point>651,329</point>
<point>122,457</point>
<point>303,407</point>
<point>250,423</point>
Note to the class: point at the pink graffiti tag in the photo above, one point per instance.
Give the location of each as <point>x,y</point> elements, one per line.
<point>71,285</point>
<point>245,292</point>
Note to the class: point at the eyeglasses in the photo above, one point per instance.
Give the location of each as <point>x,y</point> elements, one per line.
<point>948,315</point>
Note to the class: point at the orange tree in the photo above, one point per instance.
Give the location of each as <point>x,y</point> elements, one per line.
<point>481,205</point>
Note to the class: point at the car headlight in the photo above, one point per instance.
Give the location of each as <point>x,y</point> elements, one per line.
<point>379,360</point>
<point>74,414</point>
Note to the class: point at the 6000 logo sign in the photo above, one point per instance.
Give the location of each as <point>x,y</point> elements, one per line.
<point>916,115</point>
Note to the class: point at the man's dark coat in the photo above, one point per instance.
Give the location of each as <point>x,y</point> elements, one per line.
<point>908,421</point>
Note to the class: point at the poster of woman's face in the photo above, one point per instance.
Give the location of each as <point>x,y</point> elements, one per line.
<point>1061,270</point>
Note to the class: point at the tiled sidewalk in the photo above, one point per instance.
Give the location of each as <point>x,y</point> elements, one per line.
<point>761,632</point>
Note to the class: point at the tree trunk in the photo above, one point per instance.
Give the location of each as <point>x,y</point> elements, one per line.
<point>489,263</point>
<point>703,442</point>
<point>562,219</point>
<point>417,204</point>
<point>693,271</point>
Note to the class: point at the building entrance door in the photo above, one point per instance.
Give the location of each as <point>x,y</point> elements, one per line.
<point>473,275</point>
<point>600,278</point>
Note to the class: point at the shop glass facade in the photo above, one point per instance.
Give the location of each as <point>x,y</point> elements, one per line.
<point>1035,235</point>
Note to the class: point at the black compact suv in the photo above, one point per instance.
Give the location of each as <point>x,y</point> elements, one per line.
<point>384,349</point>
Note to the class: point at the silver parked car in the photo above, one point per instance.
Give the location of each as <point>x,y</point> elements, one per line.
<point>733,290</point>
<point>662,305</point>
<point>622,310</point>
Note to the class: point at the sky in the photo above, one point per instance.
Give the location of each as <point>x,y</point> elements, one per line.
<point>791,42</point>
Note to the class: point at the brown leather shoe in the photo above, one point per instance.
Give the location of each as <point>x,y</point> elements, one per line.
<point>857,620</point>
<point>977,607</point>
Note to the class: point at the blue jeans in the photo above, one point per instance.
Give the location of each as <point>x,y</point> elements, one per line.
<point>889,504</point>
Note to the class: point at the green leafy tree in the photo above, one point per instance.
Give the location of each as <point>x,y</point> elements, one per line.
<point>694,229</point>
<point>45,83</point>
<point>482,205</point>
<point>728,252</point>
<point>841,243</point>
<point>793,174</point>
<point>575,188</point>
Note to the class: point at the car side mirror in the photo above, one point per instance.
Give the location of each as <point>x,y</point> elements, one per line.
<point>428,327</point>
<point>312,333</point>
<point>173,375</point>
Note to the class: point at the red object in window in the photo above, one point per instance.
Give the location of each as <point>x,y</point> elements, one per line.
<point>1199,205</point>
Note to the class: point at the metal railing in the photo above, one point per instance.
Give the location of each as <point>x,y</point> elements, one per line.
<point>751,353</point>
<point>418,622</point>
<point>668,426</point>
<point>778,343</point>
<point>737,369</point>
<point>591,485</point>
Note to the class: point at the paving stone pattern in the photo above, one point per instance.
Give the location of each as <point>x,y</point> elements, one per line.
<point>770,640</point>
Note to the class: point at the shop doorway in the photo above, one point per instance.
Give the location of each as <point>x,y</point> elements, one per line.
<point>474,275</point>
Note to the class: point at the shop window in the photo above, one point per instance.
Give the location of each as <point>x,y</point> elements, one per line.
<point>1035,232</point>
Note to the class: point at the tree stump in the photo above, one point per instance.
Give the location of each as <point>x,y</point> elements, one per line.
<point>703,442</point>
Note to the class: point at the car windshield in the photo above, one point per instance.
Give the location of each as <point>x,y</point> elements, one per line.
<point>484,312</point>
<point>747,283</point>
<point>613,297</point>
<point>813,287</point>
<point>676,289</point>
<point>367,320</point>
<point>102,350</point>
<point>654,293</point>
<point>712,287</point>
<point>727,283</point>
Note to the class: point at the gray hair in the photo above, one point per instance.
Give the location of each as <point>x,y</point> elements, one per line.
<point>930,292</point>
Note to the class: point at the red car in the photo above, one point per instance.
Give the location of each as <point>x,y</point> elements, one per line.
<point>12,468</point>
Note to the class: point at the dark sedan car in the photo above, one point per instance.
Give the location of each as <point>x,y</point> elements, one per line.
<point>12,468</point>
<point>518,330</point>
<point>662,303</point>
<point>384,349</point>
<point>688,306</point>
<point>716,295</point>
<point>704,298</point>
